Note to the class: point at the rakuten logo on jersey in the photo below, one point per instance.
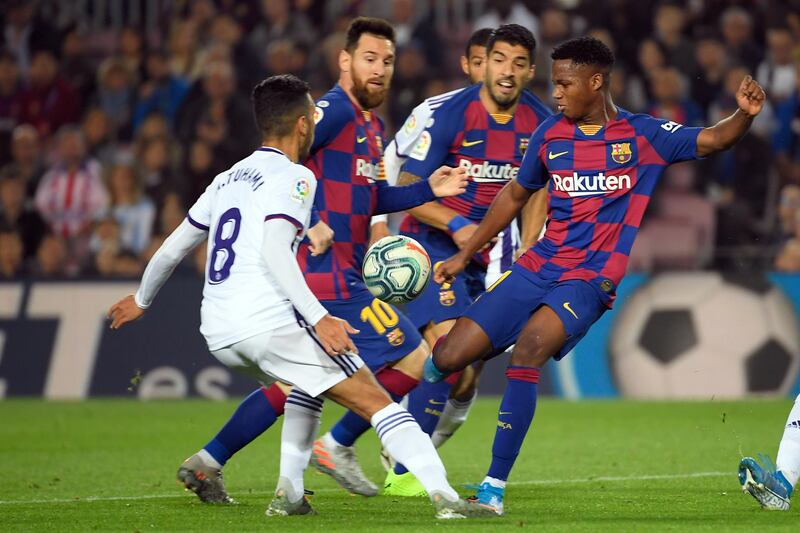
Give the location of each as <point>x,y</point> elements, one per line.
<point>487,172</point>
<point>367,170</point>
<point>576,185</point>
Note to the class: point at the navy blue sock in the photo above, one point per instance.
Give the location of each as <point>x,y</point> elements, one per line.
<point>425,403</point>
<point>253,417</point>
<point>351,426</point>
<point>515,416</point>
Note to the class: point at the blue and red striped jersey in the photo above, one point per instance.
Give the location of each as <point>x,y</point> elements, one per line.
<point>599,181</point>
<point>461,132</point>
<point>346,160</point>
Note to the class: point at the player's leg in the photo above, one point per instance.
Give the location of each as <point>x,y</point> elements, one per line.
<point>386,337</point>
<point>456,410</point>
<point>772,485</point>
<point>402,437</point>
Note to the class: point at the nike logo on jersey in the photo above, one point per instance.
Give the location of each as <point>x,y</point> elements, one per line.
<point>434,402</point>
<point>551,155</point>
<point>361,139</point>
<point>568,308</point>
<point>466,144</point>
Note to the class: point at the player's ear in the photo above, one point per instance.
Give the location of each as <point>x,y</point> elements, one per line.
<point>596,81</point>
<point>345,59</point>
<point>465,65</point>
<point>532,72</point>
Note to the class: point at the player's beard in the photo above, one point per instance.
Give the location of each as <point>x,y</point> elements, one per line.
<point>366,97</point>
<point>504,101</point>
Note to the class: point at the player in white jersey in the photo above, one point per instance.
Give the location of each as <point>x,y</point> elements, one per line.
<point>259,316</point>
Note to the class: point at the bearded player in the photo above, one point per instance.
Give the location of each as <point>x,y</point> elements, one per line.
<point>600,164</point>
<point>485,129</point>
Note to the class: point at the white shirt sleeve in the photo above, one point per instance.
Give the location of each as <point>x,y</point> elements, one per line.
<point>291,197</point>
<point>180,242</point>
<point>277,252</point>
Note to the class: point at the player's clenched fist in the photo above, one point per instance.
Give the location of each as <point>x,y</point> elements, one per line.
<point>124,311</point>
<point>750,96</point>
<point>334,334</point>
<point>448,270</point>
<point>448,181</point>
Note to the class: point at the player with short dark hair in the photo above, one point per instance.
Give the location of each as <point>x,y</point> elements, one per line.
<point>600,164</point>
<point>485,129</point>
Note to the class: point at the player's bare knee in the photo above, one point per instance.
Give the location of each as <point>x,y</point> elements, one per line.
<point>531,354</point>
<point>413,363</point>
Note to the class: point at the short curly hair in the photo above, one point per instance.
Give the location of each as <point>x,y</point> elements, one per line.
<point>585,51</point>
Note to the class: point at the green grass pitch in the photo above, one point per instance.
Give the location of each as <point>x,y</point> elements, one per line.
<point>586,466</point>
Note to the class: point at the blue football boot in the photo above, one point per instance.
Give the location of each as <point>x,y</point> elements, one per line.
<point>490,497</point>
<point>765,483</point>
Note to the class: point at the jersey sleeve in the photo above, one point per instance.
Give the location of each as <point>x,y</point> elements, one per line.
<point>199,214</point>
<point>674,142</point>
<point>532,172</point>
<point>432,146</point>
<point>330,117</point>
<point>408,136</point>
<point>292,197</point>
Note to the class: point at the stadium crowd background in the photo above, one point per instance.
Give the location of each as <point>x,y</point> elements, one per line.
<point>116,114</point>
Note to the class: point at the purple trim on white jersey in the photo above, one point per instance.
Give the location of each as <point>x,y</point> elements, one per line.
<point>196,224</point>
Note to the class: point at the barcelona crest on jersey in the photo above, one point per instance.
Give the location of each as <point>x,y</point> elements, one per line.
<point>621,152</point>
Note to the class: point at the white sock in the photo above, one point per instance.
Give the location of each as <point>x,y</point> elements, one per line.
<point>208,460</point>
<point>300,425</point>
<point>329,441</point>
<point>789,451</point>
<point>408,444</point>
<point>453,417</point>
<point>494,482</point>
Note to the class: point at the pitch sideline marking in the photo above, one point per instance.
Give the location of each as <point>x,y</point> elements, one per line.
<point>261,493</point>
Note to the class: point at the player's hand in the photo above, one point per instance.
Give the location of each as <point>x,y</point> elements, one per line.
<point>448,181</point>
<point>321,237</point>
<point>124,311</point>
<point>334,334</point>
<point>378,231</point>
<point>750,96</point>
<point>448,270</point>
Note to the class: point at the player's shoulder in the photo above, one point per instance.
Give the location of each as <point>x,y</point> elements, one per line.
<point>453,101</point>
<point>535,103</point>
<point>333,108</point>
<point>645,124</point>
<point>549,123</point>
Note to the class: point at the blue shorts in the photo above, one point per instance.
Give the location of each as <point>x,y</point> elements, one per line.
<point>506,307</point>
<point>438,303</point>
<point>385,336</point>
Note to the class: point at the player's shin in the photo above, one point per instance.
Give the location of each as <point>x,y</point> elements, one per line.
<point>453,417</point>
<point>300,426</point>
<point>404,440</point>
<point>351,426</point>
<point>788,460</point>
<point>514,419</point>
<point>253,417</point>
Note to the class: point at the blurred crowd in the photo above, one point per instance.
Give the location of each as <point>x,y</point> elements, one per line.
<point>115,115</point>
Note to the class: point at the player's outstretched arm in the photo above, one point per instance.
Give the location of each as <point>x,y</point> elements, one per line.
<point>750,96</point>
<point>180,242</point>
<point>445,181</point>
<point>505,207</point>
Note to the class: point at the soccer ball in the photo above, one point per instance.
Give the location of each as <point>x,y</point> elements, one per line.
<point>396,269</point>
<point>704,335</point>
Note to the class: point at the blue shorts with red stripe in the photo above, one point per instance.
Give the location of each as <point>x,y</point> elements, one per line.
<point>504,309</point>
<point>438,303</point>
<point>385,335</point>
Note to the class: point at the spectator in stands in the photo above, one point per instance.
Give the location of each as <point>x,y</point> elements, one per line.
<point>110,257</point>
<point>11,252</point>
<point>96,128</point>
<point>555,29</point>
<point>26,157</point>
<point>278,22</point>
<point>49,102</point>
<point>184,52</point>
<point>324,63</point>
<point>10,101</point>
<point>227,31</point>
<point>156,157</point>
<point>669,89</point>
<point>215,113</point>
<point>74,63</point>
<point>737,34</point>
<point>132,210</point>
<point>51,258</point>
<point>712,63</point>
<point>18,214</point>
<point>507,12</point>
<point>171,214</point>
<point>777,71</point>
<point>131,52</point>
<point>786,139</point>
<point>24,33</point>
<point>72,195</point>
<point>116,95</point>
<point>408,83</point>
<point>161,92</point>
<point>651,57</point>
<point>200,169</point>
<point>284,57</point>
<point>669,23</point>
<point>788,208</point>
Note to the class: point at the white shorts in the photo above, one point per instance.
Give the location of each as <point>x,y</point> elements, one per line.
<point>291,354</point>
